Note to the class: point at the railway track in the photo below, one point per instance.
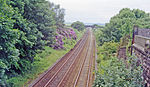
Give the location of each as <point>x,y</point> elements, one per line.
<point>70,69</point>
<point>85,75</point>
<point>70,78</point>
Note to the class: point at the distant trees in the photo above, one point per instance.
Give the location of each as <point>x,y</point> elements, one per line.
<point>96,26</point>
<point>78,25</point>
<point>26,26</point>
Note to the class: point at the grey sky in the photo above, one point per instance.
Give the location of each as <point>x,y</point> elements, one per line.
<point>98,11</point>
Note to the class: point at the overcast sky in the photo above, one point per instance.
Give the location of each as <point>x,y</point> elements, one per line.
<point>98,11</point>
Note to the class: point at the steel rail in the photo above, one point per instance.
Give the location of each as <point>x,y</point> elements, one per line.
<point>81,43</point>
<point>90,68</point>
<point>71,56</point>
<point>80,71</point>
<point>83,60</point>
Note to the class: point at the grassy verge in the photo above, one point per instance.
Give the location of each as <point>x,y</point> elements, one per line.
<point>42,62</point>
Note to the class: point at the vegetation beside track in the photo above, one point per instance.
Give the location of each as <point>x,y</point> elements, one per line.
<point>26,28</point>
<point>113,72</point>
<point>43,61</point>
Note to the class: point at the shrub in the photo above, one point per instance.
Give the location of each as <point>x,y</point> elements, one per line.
<point>78,25</point>
<point>117,75</point>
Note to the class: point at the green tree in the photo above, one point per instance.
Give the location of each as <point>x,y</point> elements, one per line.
<point>29,40</point>
<point>9,54</point>
<point>39,13</point>
<point>122,24</point>
<point>78,25</point>
<point>26,26</point>
<point>59,16</point>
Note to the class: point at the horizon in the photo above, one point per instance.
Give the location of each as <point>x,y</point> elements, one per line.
<point>97,11</point>
<point>87,23</point>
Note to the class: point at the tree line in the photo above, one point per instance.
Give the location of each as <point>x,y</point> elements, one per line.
<point>122,24</point>
<point>26,26</point>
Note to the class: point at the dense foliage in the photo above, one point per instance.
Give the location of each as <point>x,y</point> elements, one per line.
<point>117,33</point>
<point>107,49</point>
<point>78,25</point>
<point>26,26</point>
<point>117,75</point>
<point>113,72</point>
<point>122,24</point>
<point>45,59</point>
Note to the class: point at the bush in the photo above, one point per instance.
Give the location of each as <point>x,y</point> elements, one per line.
<point>117,75</point>
<point>78,25</point>
<point>108,49</point>
<point>114,73</point>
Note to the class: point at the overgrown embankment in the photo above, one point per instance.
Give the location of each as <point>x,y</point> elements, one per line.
<point>26,27</point>
<point>46,58</point>
<point>28,31</point>
<point>114,71</point>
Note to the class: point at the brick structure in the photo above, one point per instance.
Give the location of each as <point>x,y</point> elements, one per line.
<point>145,61</point>
<point>141,48</point>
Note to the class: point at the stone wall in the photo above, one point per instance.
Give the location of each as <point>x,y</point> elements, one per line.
<point>144,57</point>
<point>141,48</point>
<point>145,61</point>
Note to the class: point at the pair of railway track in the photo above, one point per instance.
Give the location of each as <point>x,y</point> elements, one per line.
<point>74,69</point>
